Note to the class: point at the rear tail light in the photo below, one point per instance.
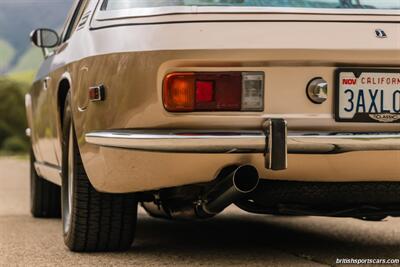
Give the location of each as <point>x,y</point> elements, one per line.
<point>180,95</point>
<point>214,91</point>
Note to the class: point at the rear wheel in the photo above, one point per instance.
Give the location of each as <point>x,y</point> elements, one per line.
<point>92,221</point>
<point>45,196</point>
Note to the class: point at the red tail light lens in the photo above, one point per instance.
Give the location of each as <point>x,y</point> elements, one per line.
<point>204,91</point>
<point>212,92</point>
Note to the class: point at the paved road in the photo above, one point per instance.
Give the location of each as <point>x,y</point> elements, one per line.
<point>233,238</point>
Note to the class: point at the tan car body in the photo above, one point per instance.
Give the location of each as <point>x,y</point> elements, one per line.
<point>131,54</point>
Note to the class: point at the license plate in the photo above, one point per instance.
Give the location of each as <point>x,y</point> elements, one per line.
<point>365,95</point>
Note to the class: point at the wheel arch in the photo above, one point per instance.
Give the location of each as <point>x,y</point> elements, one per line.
<point>64,86</point>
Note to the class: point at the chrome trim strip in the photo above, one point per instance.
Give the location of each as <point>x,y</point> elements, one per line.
<point>105,15</point>
<point>242,141</point>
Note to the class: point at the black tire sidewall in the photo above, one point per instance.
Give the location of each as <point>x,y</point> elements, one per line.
<point>33,180</point>
<point>99,221</point>
<point>66,126</point>
<point>45,197</point>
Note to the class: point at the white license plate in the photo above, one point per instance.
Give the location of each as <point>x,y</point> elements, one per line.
<point>367,95</point>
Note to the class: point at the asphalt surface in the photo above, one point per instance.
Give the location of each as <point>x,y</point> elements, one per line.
<point>233,238</point>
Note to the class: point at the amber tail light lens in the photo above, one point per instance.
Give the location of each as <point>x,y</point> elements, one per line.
<point>214,91</point>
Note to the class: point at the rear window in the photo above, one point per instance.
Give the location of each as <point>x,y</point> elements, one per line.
<point>354,4</point>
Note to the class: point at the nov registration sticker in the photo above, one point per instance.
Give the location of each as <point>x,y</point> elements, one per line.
<point>367,95</point>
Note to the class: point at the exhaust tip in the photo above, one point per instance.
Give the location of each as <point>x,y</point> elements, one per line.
<point>245,179</point>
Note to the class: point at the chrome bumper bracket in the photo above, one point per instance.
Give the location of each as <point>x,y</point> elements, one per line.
<point>276,144</point>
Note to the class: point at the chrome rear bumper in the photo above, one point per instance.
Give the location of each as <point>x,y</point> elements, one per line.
<point>297,156</point>
<point>174,141</point>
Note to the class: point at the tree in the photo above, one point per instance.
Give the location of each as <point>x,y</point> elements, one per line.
<point>12,116</point>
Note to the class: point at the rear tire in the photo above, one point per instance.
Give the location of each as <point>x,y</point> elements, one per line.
<point>92,221</point>
<point>45,196</point>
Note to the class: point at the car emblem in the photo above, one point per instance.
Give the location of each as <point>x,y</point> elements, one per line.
<point>380,33</point>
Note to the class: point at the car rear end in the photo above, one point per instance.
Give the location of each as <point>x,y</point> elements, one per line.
<point>309,98</point>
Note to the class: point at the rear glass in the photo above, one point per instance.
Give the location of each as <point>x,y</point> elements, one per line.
<point>355,4</point>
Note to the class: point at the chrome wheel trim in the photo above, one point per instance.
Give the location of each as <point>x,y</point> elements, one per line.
<point>70,183</point>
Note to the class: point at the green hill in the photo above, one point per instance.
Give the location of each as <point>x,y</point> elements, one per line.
<point>17,19</point>
<point>27,66</point>
<point>25,77</point>
<point>7,53</point>
<point>30,60</point>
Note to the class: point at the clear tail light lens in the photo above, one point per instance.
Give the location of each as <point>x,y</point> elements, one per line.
<point>214,91</point>
<point>252,91</point>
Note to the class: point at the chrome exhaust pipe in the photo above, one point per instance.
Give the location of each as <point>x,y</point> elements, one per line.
<point>231,188</point>
<point>243,180</point>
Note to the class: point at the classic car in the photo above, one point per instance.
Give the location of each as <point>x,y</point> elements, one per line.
<point>188,106</point>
